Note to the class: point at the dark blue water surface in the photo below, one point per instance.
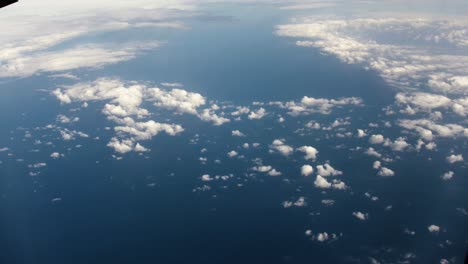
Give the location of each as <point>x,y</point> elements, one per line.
<point>144,210</point>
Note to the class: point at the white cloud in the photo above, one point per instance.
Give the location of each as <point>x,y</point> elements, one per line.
<point>398,145</point>
<point>307,170</point>
<point>232,153</point>
<point>377,165</point>
<point>322,237</point>
<point>427,129</point>
<point>447,176</point>
<point>454,158</point>
<point>140,148</point>
<point>431,146</point>
<point>262,168</point>
<point>310,105</point>
<point>178,100</point>
<point>421,59</point>
<point>279,146</point>
<point>241,110</point>
<point>385,172</point>
<point>310,152</point>
<point>267,169</point>
<point>299,203</point>
<point>433,228</point>
<point>361,133</point>
<point>328,202</point>
<point>206,177</point>
<point>313,125</point>
<point>87,56</point>
<point>327,170</point>
<point>376,139</point>
<point>339,185</point>
<point>37,165</point>
<point>303,6</point>
<point>167,84</point>
<point>146,130</point>
<point>71,134</point>
<point>361,216</point>
<point>237,133</point>
<point>373,152</point>
<point>124,104</point>
<point>55,155</point>
<point>65,120</point>
<point>36,48</point>
<point>259,114</point>
<point>208,115</point>
<point>123,146</point>
<point>321,182</point>
<point>274,172</point>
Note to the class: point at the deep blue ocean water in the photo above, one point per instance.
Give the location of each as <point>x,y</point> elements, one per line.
<point>109,214</point>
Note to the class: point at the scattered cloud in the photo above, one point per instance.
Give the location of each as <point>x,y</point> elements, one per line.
<point>454,158</point>
<point>361,216</point>
<point>279,146</point>
<point>310,152</point>
<point>433,228</point>
<point>310,105</point>
<point>307,170</point>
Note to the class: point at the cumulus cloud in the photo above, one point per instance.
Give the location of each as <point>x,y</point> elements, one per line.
<point>447,176</point>
<point>259,114</point>
<point>361,133</point>
<point>56,155</point>
<point>206,177</point>
<point>385,172</point>
<point>232,153</point>
<point>428,129</point>
<point>279,146</point>
<point>274,172</point>
<point>422,59</point>
<point>377,165</point>
<point>71,134</point>
<point>398,145</point>
<point>327,170</point>
<point>372,152</point>
<point>321,237</point>
<point>321,182</point>
<point>124,107</point>
<point>433,228</point>
<point>454,158</point>
<point>307,170</point>
<point>361,216</point>
<point>262,168</point>
<point>310,105</point>
<point>267,169</point>
<point>121,146</point>
<point>376,139</point>
<point>237,133</point>
<point>65,120</point>
<point>300,202</point>
<point>310,152</point>
<point>427,102</point>
<point>208,115</point>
